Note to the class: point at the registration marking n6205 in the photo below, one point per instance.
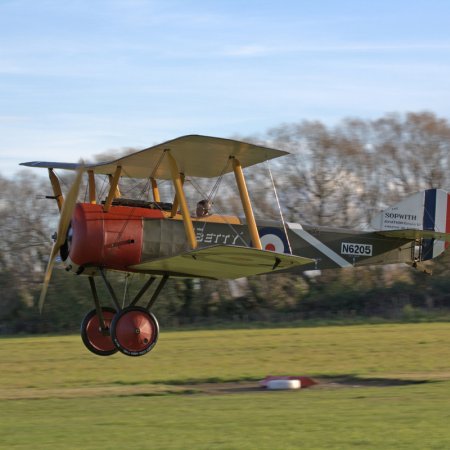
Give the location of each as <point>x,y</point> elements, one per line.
<point>354,249</point>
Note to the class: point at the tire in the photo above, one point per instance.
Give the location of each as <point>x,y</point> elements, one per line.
<point>134,331</point>
<point>94,340</point>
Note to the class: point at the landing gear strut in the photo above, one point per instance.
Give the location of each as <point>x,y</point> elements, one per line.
<point>132,330</point>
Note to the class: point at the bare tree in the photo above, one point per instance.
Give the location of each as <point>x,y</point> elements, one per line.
<point>413,151</point>
<point>320,185</point>
<point>25,240</point>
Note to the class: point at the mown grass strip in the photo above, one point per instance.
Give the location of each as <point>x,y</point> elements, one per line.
<point>54,394</point>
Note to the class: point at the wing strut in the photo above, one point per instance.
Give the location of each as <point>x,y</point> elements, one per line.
<point>178,185</point>
<point>155,190</point>
<point>246,204</point>
<point>113,190</point>
<point>56,189</point>
<point>175,203</point>
<point>92,193</point>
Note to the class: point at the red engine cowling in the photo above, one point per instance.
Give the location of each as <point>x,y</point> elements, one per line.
<point>112,239</point>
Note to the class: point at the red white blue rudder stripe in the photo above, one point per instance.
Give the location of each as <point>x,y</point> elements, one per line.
<point>436,217</point>
<point>427,210</point>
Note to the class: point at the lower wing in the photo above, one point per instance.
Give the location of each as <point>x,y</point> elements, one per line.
<point>222,262</point>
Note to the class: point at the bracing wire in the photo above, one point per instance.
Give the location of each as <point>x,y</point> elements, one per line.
<point>279,207</point>
<point>219,211</point>
<point>152,175</point>
<point>86,192</point>
<point>102,188</point>
<point>125,290</point>
<point>215,191</point>
<point>216,186</point>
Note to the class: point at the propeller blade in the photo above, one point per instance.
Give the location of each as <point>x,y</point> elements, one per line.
<point>47,276</point>
<point>63,225</point>
<point>67,210</point>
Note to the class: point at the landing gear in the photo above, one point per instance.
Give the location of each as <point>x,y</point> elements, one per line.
<point>134,331</point>
<point>96,339</point>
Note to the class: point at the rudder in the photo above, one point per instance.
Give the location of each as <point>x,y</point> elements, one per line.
<point>426,210</point>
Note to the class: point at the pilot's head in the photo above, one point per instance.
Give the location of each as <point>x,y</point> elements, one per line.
<point>203,208</point>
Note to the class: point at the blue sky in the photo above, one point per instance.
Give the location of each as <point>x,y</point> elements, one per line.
<point>82,77</point>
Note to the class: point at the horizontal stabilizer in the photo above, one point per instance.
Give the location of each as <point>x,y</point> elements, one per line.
<point>223,262</point>
<point>415,234</point>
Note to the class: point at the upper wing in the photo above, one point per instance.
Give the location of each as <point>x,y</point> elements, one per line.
<point>222,261</point>
<point>197,156</point>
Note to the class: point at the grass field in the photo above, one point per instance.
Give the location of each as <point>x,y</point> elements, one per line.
<point>382,387</point>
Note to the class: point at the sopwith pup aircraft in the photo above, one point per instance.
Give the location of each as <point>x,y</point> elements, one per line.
<point>163,239</point>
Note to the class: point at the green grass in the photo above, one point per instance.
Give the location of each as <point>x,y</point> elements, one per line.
<point>55,394</point>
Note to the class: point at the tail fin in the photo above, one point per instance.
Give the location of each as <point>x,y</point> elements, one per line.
<point>426,210</point>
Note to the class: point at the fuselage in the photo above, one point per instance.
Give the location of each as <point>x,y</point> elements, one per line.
<point>127,236</point>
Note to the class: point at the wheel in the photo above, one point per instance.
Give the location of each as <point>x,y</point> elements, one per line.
<point>134,331</point>
<point>92,335</point>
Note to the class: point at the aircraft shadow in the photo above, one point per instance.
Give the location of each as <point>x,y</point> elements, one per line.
<point>355,380</point>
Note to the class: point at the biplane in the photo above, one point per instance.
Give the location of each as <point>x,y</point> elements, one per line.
<point>164,239</point>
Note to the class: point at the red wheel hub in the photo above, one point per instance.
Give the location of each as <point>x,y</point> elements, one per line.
<point>135,331</point>
<point>99,340</point>
<point>95,339</point>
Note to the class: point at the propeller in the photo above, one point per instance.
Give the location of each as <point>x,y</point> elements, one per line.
<point>63,225</point>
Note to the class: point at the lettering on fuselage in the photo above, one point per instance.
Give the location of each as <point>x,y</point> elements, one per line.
<point>217,238</point>
<point>348,248</point>
<point>398,216</point>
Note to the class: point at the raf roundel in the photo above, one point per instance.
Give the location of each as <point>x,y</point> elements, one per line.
<point>274,240</point>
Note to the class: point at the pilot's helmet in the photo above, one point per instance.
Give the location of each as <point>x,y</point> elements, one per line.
<point>203,208</point>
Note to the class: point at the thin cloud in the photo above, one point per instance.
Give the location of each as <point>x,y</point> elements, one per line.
<point>250,50</point>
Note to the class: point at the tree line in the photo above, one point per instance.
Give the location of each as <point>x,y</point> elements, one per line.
<point>339,175</point>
